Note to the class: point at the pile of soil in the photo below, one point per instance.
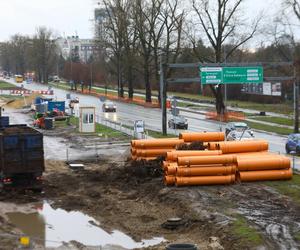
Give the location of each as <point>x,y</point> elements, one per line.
<point>21,102</point>
<point>196,145</point>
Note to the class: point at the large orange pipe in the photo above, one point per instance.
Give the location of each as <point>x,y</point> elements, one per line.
<point>152,152</point>
<point>266,175</point>
<point>133,151</point>
<point>263,163</point>
<point>204,180</point>
<point>242,146</point>
<point>136,142</point>
<point>158,143</point>
<point>170,164</point>
<point>171,169</point>
<point>173,155</point>
<point>174,164</point>
<point>206,160</point>
<point>202,136</point>
<point>169,180</point>
<point>203,171</point>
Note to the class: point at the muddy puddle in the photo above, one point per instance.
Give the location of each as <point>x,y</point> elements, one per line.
<point>51,227</point>
<point>274,221</point>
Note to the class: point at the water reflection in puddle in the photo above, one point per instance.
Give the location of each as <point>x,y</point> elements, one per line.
<point>50,227</point>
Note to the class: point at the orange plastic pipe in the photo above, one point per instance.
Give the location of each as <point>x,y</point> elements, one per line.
<point>169,180</point>
<point>153,152</point>
<point>206,160</point>
<point>170,164</point>
<point>158,143</point>
<point>202,136</point>
<point>204,180</point>
<point>133,151</point>
<point>266,175</point>
<point>204,171</point>
<point>242,146</point>
<point>134,157</point>
<point>133,143</point>
<point>173,155</point>
<point>263,163</point>
<point>171,169</point>
<point>165,164</point>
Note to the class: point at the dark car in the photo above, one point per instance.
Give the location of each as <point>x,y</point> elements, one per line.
<point>109,106</point>
<point>240,126</point>
<point>293,143</point>
<point>178,122</point>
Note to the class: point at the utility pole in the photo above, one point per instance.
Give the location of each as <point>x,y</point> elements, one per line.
<point>296,101</point>
<point>163,96</point>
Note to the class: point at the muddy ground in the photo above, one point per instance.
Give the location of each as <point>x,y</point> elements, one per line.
<point>132,198</point>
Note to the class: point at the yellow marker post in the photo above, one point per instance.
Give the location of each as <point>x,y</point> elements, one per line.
<point>25,241</point>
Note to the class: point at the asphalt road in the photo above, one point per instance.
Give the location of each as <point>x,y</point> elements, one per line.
<point>128,113</point>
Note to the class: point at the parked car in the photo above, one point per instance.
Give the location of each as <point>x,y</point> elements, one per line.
<point>240,135</point>
<point>56,79</point>
<point>178,122</point>
<point>109,106</point>
<point>293,143</point>
<point>72,102</point>
<point>240,126</point>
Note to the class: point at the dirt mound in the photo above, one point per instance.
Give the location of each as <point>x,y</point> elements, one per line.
<point>20,102</point>
<point>196,145</point>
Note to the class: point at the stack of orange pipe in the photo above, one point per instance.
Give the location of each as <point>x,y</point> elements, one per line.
<point>223,163</point>
<point>205,168</point>
<point>151,149</point>
<point>263,168</point>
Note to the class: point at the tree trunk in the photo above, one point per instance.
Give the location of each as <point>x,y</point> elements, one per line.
<point>147,84</point>
<point>130,82</point>
<point>220,107</point>
<point>121,88</point>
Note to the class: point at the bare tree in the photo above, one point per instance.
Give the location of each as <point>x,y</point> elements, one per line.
<point>221,22</point>
<point>44,53</point>
<point>167,38</point>
<point>146,15</point>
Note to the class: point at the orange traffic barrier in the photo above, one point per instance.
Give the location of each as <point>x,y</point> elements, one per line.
<point>266,175</point>
<point>203,171</point>
<point>239,146</point>
<point>204,180</point>
<point>158,143</point>
<point>263,163</point>
<point>199,160</point>
<point>173,155</point>
<point>169,180</point>
<point>153,152</point>
<point>202,136</point>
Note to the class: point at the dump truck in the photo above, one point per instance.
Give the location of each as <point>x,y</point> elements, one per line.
<point>22,157</point>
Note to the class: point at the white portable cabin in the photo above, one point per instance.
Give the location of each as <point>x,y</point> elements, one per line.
<point>87,119</point>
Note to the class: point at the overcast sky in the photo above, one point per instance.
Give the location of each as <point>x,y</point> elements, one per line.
<point>70,16</point>
<point>63,16</point>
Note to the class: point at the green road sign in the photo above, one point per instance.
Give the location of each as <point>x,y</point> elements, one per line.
<point>231,75</point>
<point>242,75</point>
<point>211,75</point>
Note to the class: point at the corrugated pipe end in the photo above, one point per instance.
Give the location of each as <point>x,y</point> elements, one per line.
<point>169,180</point>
